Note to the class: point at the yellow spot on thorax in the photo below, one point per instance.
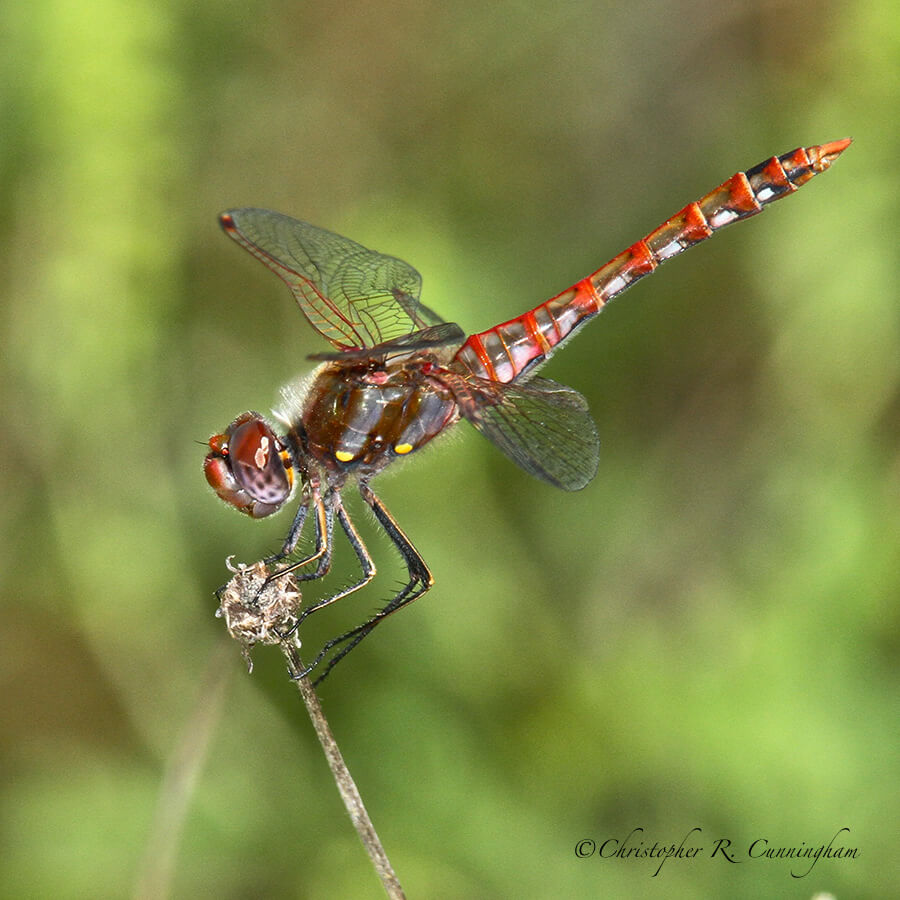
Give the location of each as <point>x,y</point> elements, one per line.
<point>402,448</point>
<point>343,456</point>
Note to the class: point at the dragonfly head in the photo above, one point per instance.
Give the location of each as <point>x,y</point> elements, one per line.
<point>249,467</point>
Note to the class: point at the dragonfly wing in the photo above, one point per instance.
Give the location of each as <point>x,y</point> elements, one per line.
<point>424,316</point>
<point>354,297</point>
<point>542,426</point>
<point>447,334</point>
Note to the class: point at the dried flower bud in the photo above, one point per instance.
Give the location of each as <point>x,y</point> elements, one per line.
<point>258,609</point>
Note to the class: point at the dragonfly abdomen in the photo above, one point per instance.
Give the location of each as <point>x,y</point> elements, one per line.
<point>505,352</point>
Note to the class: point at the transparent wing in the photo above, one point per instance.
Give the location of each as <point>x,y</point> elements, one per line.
<point>424,316</point>
<point>447,334</point>
<point>542,426</point>
<point>352,296</point>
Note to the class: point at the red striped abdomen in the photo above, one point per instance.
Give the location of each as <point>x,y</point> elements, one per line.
<point>505,351</point>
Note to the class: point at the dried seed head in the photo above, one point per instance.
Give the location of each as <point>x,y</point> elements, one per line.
<point>258,610</point>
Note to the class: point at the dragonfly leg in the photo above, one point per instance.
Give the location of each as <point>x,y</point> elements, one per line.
<point>365,561</point>
<point>324,532</point>
<point>322,552</point>
<point>420,580</point>
<point>293,535</point>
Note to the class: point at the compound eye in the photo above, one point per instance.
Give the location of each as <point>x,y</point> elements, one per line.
<point>249,468</point>
<point>257,464</point>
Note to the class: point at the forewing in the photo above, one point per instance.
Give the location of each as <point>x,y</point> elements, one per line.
<point>352,296</point>
<point>542,426</point>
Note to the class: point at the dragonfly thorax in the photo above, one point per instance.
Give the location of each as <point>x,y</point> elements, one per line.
<point>358,418</point>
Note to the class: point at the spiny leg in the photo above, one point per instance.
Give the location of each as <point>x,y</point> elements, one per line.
<point>293,535</point>
<point>420,577</point>
<point>324,527</point>
<point>366,564</point>
<point>324,542</point>
<point>324,535</point>
<point>420,580</point>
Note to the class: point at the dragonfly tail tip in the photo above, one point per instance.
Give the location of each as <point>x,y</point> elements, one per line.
<point>826,154</point>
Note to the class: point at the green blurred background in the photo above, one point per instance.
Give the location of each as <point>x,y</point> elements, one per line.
<point>705,636</point>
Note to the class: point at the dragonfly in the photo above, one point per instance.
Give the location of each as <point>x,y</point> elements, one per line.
<point>398,375</point>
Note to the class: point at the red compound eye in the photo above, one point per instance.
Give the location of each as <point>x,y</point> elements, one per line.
<point>248,467</point>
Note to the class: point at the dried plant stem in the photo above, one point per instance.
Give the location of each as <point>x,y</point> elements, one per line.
<point>342,777</point>
<point>258,609</point>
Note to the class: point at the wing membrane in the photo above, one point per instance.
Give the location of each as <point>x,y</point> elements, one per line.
<point>354,297</point>
<point>542,426</point>
<point>447,334</point>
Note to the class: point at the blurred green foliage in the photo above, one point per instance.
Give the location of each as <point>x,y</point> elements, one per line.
<point>705,636</point>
